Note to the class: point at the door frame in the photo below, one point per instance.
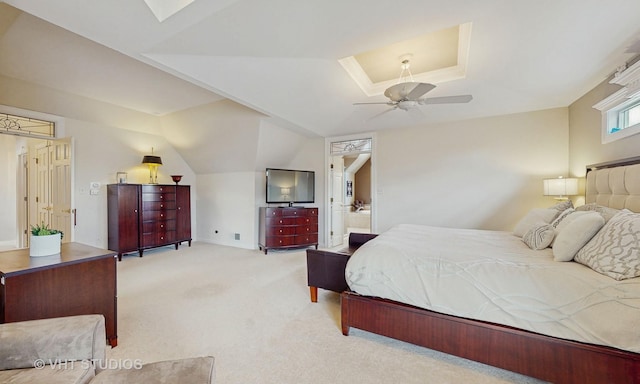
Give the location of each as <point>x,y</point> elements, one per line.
<point>24,174</point>
<point>327,174</point>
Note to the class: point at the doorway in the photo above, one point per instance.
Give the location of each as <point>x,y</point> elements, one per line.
<point>42,183</point>
<point>351,180</point>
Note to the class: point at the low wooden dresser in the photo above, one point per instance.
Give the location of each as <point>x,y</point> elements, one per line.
<point>80,280</point>
<point>288,227</point>
<point>325,269</point>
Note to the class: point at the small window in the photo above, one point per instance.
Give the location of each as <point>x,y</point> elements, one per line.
<point>626,116</point>
<point>621,110</point>
<point>630,116</point>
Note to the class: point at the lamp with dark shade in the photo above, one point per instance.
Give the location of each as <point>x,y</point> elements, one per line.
<point>152,162</point>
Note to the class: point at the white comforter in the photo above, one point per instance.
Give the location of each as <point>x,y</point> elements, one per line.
<point>493,276</point>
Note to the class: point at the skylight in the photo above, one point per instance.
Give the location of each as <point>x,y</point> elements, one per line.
<point>163,9</point>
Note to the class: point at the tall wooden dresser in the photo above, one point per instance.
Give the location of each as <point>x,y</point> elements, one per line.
<point>288,227</point>
<point>143,216</point>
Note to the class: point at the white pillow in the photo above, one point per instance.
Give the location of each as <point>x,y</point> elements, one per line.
<point>534,218</point>
<point>574,232</point>
<point>563,220</point>
<point>615,250</point>
<point>539,237</point>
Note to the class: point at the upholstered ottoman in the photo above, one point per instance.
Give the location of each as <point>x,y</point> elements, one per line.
<point>196,370</point>
<point>325,268</point>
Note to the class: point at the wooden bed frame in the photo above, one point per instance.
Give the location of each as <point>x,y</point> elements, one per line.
<point>543,357</point>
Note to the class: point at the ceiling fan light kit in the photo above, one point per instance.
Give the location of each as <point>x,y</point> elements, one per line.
<point>407,94</point>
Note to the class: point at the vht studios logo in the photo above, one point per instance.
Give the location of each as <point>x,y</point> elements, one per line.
<point>87,364</point>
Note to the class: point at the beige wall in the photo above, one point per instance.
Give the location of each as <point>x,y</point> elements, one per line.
<point>482,173</point>
<point>362,184</point>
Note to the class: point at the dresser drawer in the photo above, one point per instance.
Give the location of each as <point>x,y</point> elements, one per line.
<point>158,226</point>
<point>164,196</point>
<point>158,205</point>
<point>279,221</point>
<point>280,241</point>
<point>294,212</point>
<point>306,229</point>
<point>307,239</point>
<point>154,239</point>
<point>273,212</point>
<point>306,220</point>
<point>146,188</point>
<point>158,215</point>
<point>281,230</point>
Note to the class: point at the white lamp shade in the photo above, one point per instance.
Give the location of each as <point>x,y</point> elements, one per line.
<point>560,187</point>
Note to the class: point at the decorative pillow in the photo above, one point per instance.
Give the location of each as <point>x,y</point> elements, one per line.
<point>606,212</point>
<point>574,232</point>
<point>615,250</point>
<point>539,237</point>
<point>562,206</point>
<point>534,218</point>
<point>561,217</point>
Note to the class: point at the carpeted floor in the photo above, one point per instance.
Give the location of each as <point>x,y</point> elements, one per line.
<point>252,312</point>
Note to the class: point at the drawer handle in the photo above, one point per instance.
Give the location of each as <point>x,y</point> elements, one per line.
<point>161,205</point>
<point>161,225</point>
<point>281,231</point>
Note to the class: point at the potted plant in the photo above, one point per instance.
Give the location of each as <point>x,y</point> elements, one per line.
<point>44,241</point>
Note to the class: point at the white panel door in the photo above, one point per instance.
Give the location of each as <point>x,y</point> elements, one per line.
<point>42,196</point>
<point>61,187</point>
<point>336,200</point>
<point>50,195</point>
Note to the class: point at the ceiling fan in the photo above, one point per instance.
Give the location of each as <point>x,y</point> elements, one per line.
<point>407,94</point>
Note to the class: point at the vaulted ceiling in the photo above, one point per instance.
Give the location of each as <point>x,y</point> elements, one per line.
<point>281,57</point>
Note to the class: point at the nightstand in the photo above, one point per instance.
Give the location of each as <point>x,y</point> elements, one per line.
<point>325,269</point>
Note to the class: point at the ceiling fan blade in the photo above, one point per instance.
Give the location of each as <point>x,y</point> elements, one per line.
<point>447,99</point>
<point>382,113</point>
<point>401,91</point>
<point>420,90</point>
<point>380,103</point>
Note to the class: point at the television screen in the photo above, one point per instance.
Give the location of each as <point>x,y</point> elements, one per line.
<point>290,186</point>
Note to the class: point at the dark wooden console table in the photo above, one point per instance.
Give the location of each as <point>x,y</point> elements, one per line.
<point>80,280</point>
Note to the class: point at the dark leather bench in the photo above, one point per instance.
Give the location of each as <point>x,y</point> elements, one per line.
<point>325,269</point>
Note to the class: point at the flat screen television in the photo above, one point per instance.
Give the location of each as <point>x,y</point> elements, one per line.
<point>290,186</point>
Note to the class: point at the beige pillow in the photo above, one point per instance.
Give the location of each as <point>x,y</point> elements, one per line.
<point>534,218</point>
<point>539,237</point>
<point>615,250</point>
<point>562,216</point>
<point>574,232</point>
<point>562,206</point>
<point>606,212</point>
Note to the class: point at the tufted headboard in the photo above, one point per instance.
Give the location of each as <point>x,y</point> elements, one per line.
<point>614,184</point>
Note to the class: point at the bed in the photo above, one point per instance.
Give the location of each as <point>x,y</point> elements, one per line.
<point>560,321</point>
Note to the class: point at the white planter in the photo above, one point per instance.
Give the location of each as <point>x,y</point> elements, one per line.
<point>44,245</point>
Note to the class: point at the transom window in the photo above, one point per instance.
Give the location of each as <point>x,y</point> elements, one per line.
<point>25,126</point>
